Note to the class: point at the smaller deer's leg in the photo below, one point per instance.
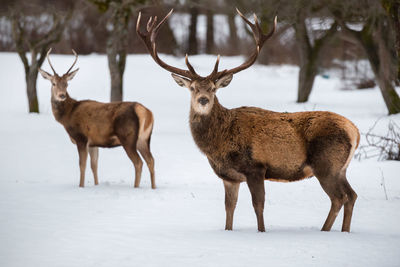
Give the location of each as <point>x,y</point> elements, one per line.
<point>83,152</point>
<point>94,158</point>
<point>144,149</point>
<point>257,190</point>
<point>231,196</point>
<point>136,160</point>
<point>348,205</point>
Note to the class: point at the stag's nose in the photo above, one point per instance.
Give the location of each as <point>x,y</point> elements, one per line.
<point>203,100</point>
<point>62,96</point>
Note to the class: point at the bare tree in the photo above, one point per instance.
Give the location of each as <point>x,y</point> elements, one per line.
<point>310,54</point>
<point>119,12</point>
<point>392,9</point>
<point>210,44</point>
<point>375,38</point>
<point>37,45</point>
<point>192,41</point>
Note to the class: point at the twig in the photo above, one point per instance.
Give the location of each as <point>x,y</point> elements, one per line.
<point>383,184</point>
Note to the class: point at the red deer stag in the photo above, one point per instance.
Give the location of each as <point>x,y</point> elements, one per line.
<point>91,124</point>
<point>249,144</point>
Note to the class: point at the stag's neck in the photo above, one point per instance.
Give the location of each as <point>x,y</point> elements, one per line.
<point>210,130</point>
<point>62,109</point>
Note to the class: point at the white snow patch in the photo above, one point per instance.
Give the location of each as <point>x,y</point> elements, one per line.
<point>47,220</point>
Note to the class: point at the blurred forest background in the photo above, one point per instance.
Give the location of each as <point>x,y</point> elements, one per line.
<point>358,38</point>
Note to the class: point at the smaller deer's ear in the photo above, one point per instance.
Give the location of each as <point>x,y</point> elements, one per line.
<point>72,74</point>
<point>45,74</point>
<point>181,81</point>
<point>224,81</point>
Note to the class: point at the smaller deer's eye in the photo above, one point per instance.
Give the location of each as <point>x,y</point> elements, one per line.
<point>54,84</point>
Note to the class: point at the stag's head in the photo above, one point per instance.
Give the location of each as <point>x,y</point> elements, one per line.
<point>202,89</point>
<point>59,84</point>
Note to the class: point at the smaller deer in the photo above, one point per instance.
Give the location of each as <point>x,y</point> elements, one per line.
<point>91,124</point>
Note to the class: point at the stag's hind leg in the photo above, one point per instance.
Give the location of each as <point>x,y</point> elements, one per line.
<point>144,149</point>
<point>332,188</point>
<point>328,157</point>
<point>257,190</point>
<point>351,198</point>
<point>231,196</point>
<point>340,192</point>
<point>94,158</point>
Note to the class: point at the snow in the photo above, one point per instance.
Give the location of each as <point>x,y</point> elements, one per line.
<point>47,220</point>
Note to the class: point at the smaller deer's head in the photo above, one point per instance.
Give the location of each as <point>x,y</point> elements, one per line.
<point>59,84</point>
<point>203,89</point>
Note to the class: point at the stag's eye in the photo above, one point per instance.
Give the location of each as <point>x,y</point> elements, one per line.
<point>192,88</point>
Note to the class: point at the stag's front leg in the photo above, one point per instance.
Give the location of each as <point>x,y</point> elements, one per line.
<point>231,196</point>
<point>83,153</point>
<point>257,190</point>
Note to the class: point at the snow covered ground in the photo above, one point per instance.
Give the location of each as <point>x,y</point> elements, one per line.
<point>47,220</point>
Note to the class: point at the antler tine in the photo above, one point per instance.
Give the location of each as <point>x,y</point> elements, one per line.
<point>190,67</point>
<point>48,59</point>
<point>138,24</point>
<point>151,23</point>
<point>260,39</point>
<point>73,64</point>
<point>215,70</point>
<point>149,39</point>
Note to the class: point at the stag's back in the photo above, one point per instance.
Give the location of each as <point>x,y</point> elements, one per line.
<point>287,142</point>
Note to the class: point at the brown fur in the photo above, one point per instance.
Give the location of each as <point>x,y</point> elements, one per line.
<point>91,124</point>
<point>251,144</point>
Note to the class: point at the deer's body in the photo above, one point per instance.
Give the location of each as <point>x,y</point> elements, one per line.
<point>91,124</point>
<point>100,124</point>
<point>251,144</point>
<point>282,144</point>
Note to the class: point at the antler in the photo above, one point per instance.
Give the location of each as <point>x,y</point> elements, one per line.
<point>73,64</point>
<point>149,39</point>
<point>150,36</point>
<point>260,39</point>
<point>48,60</point>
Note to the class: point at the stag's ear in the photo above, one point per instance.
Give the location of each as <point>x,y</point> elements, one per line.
<point>181,81</point>
<point>72,74</point>
<point>45,74</point>
<point>224,81</point>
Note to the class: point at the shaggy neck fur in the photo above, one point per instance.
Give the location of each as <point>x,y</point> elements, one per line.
<point>61,109</point>
<point>204,127</point>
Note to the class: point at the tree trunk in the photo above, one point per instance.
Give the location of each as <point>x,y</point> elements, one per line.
<point>116,49</point>
<point>210,32</point>
<point>30,78</point>
<point>308,71</point>
<point>392,9</point>
<point>375,56</point>
<point>192,46</point>
<point>116,65</point>
<point>309,57</point>
<point>233,38</point>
